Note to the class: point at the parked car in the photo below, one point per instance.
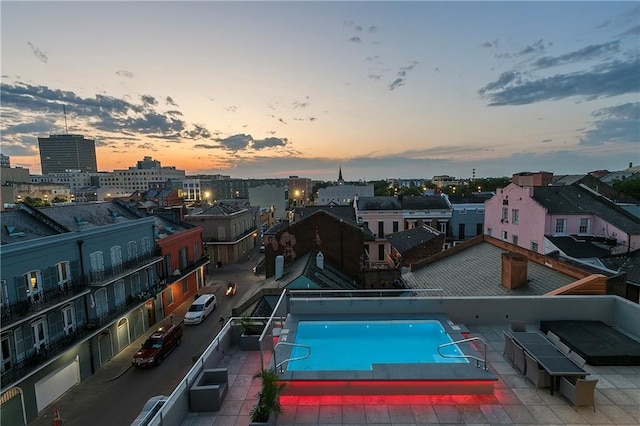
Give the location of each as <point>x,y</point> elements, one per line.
<point>200,309</point>
<point>158,346</point>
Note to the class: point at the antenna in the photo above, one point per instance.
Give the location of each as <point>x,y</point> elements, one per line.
<point>66,129</point>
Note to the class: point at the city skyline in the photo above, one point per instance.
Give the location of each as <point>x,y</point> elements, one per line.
<point>273,89</point>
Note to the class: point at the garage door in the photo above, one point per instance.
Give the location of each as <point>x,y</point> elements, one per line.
<point>57,383</point>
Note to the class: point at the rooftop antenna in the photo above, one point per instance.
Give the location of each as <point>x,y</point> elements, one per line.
<point>66,129</point>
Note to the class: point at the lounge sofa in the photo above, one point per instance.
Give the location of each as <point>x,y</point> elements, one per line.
<point>209,389</point>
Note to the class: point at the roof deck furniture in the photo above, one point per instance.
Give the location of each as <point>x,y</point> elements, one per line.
<point>554,362</point>
<point>564,348</point>
<point>208,390</point>
<point>509,350</point>
<point>538,376</point>
<point>518,358</point>
<point>579,393</point>
<point>553,337</point>
<point>575,357</point>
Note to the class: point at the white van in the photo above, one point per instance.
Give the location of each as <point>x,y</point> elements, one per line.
<point>200,309</point>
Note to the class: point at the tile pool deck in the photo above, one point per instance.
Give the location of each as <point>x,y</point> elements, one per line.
<point>514,401</point>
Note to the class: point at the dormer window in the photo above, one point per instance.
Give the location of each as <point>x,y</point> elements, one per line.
<point>80,220</point>
<point>14,232</point>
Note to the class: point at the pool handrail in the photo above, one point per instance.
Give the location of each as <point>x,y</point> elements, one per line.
<point>281,363</point>
<point>470,339</point>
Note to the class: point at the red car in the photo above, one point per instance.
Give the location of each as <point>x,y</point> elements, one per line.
<point>158,346</point>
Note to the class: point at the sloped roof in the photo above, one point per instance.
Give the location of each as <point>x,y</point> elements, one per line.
<point>165,227</point>
<point>19,225</point>
<point>576,200</point>
<point>477,271</point>
<point>579,248</point>
<point>222,209</point>
<point>566,179</point>
<point>421,202</point>
<point>470,199</point>
<point>345,212</point>
<point>406,240</point>
<point>630,264</point>
<point>379,203</point>
<point>81,216</point>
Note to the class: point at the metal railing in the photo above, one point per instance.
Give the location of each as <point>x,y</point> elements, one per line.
<point>106,276</point>
<point>470,339</point>
<point>297,358</point>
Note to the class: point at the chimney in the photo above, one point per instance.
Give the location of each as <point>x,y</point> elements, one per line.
<point>514,270</point>
<point>279,266</point>
<point>320,260</point>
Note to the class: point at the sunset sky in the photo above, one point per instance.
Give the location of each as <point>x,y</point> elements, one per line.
<point>273,89</point>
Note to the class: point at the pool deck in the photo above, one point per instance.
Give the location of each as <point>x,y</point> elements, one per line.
<point>514,401</point>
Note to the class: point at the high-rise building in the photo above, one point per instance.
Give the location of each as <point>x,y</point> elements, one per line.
<point>59,153</point>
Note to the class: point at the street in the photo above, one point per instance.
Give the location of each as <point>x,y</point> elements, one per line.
<point>117,392</point>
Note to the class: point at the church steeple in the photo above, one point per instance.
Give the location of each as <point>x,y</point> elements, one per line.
<point>340,180</point>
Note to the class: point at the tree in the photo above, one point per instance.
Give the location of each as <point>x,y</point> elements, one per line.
<point>35,202</point>
<point>382,187</point>
<point>629,187</point>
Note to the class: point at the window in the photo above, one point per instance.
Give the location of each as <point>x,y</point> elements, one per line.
<point>135,284</point>
<point>97,265</point>
<point>505,214</point>
<point>380,229</point>
<point>380,251</point>
<point>514,215</point>
<point>64,273</point>
<point>584,225</point>
<point>514,239</point>
<point>442,227</point>
<point>461,231</point>
<point>101,302</point>
<point>196,251</point>
<point>69,319</point>
<point>169,296</point>
<point>199,280</point>
<point>184,258</point>
<point>146,245</point>
<point>132,250</point>
<point>116,257</point>
<point>32,283</point>
<point>504,235</point>
<point>119,293</point>
<point>534,246</point>
<point>5,351</point>
<point>561,226</point>
<point>3,293</point>
<point>395,226</point>
<point>185,286</point>
<point>40,335</point>
<point>478,229</point>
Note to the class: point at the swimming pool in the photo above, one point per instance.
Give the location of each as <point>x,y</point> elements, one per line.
<point>358,345</point>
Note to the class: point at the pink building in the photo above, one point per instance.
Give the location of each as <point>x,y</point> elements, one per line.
<point>525,215</point>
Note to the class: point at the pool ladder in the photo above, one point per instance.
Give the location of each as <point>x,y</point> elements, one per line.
<point>470,339</point>
<point>279,365</point>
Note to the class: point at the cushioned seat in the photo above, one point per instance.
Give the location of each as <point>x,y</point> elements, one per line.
<point>580,393</point>
<point>538,376</point>
<point>208,390</point>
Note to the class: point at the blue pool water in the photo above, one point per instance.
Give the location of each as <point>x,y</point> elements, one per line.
<point>356,345</point>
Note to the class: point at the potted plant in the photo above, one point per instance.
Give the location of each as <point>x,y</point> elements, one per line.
<point>268,406</point>
<point>251,331</point>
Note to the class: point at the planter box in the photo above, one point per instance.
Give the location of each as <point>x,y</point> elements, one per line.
<point>250,342</point>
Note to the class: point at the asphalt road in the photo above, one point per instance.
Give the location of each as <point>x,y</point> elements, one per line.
<point>117,392</point>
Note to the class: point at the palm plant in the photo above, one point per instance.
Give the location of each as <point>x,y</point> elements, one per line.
<point>268,397</point>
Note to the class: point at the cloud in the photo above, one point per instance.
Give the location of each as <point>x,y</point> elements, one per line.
<point>124,73</point>
<point>169,101</point>
<point>269,143</point>
<point>611,79</point>
<point>584,54</point>
<point>355,39</point>
<point>298,104</point>
<point>616,124</point>
<point>38,53</point>
<point>102,112</point>
<point>402,74</point>
<point>235,142</point>
<point>536,47</point>
<point>231,108</point>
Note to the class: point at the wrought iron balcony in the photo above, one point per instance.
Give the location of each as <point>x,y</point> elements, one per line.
<point>106,276</point>
<point>41,301</point>
<point>57,346</point>
<point>186,271</point>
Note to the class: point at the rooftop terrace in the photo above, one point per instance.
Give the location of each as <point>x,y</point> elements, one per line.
<point>514,399</point>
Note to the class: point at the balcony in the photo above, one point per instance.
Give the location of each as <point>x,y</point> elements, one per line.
<point>233,240</point>
<point>184,272</point>
<point>42,301</point>
<point>35,358</point>
<point>114,273</point>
